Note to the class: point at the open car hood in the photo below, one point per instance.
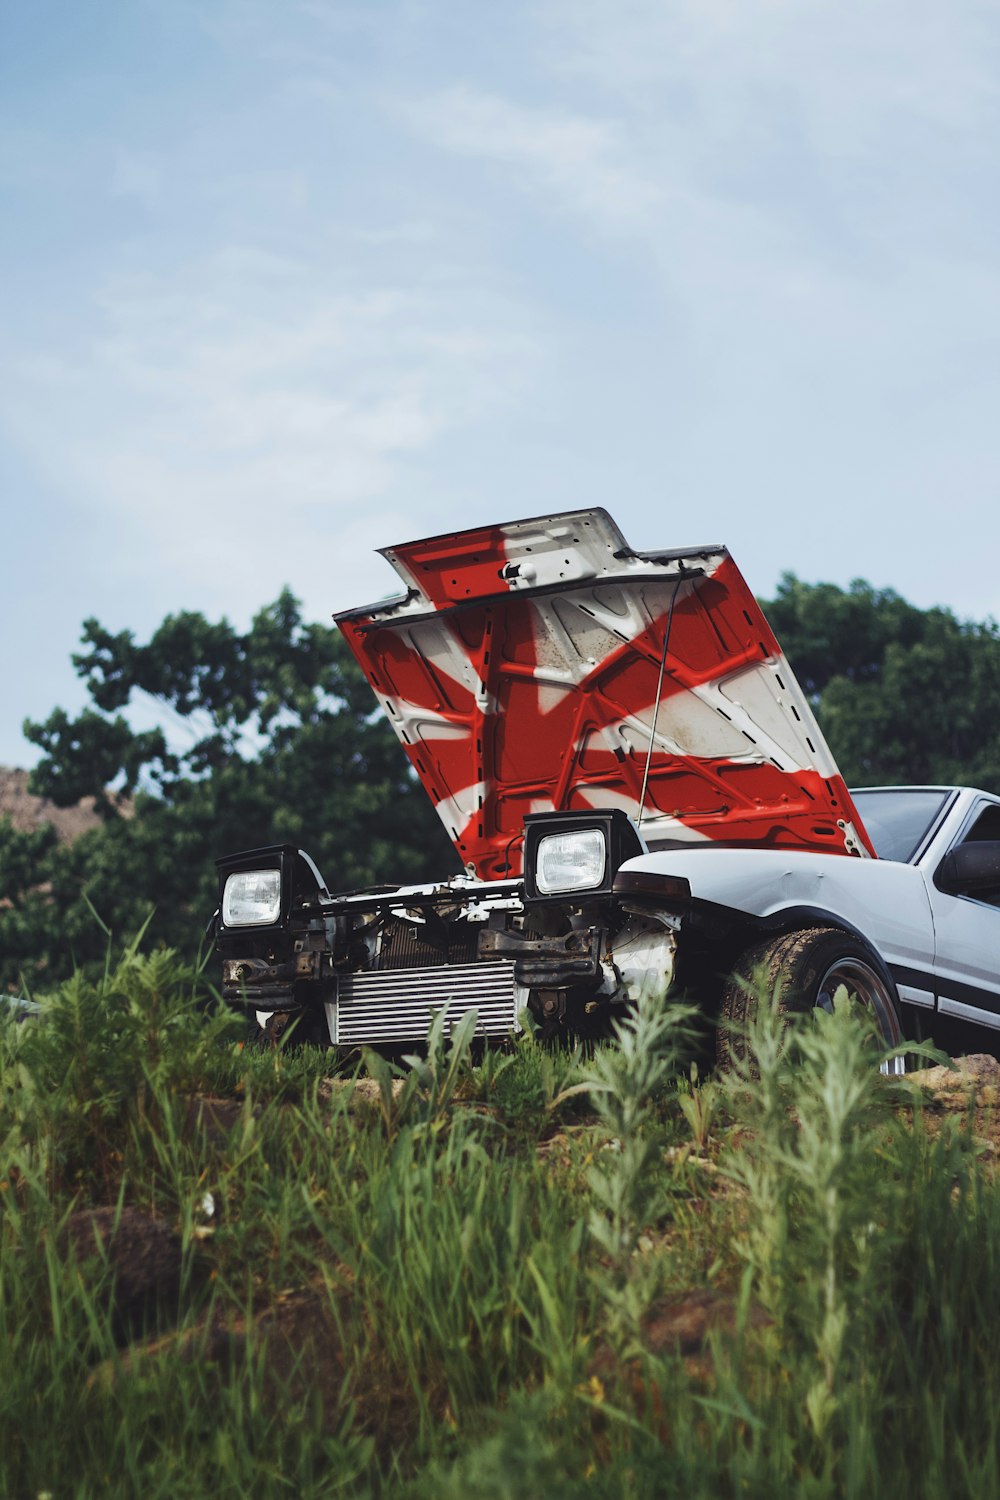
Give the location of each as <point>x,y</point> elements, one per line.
<point>544,665</point>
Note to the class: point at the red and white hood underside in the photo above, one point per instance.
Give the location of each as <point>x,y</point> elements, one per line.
<point>524,671</point>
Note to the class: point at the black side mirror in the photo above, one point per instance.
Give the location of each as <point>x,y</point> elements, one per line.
<point>970,869</point>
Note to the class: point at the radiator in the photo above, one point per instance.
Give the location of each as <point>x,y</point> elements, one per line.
<point>398,1005</point>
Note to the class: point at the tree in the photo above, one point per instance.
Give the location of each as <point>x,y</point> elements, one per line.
<point>829,632</point>
<point>285,745</point>
<point>902,694</point>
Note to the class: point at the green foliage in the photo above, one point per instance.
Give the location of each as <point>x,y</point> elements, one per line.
<point>848,1245</point>
<point>286,746</point>
<point>529,1084</point>
<point>811,1095</point>
<point>421,1094</point>
<point>623,1083</point>
<point>467,1324</point>
<point>699,1102</point>
<point>830,632</point>
<point>903,695</point>
<point>107,1051</point>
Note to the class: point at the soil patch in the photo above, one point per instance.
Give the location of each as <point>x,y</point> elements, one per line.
<point>143,1256</point>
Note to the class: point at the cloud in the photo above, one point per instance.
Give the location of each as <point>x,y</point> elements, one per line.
<point>730,251</point>
<point>240,408</point>
<point>850,63</point>
<point>583,160</point>
<point>867,126</point>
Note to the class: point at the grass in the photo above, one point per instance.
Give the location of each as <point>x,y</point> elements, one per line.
<point>486,1276</point>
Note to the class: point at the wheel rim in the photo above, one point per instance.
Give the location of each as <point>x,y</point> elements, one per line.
<point>869,989</point>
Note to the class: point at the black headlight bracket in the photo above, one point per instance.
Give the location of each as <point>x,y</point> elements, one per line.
<point>622,841</point>
<point>301,882</point>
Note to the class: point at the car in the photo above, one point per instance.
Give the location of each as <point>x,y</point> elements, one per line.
<point>641,799</point>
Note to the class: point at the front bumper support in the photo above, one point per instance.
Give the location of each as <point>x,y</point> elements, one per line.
<point>549,963</point>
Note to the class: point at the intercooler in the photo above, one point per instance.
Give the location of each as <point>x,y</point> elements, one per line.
<point>398,1005</point>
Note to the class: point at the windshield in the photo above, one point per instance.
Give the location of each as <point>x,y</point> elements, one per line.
<point>898,819</point>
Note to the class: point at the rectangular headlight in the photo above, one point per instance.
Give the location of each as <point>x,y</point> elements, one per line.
<point>252,898</point>
<point>571,861</point>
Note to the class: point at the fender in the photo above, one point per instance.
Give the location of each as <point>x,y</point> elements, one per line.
<point>717,937</point>
<point>879,901</point>
<point>793,918</point>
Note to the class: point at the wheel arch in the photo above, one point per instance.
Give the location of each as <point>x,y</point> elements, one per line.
<point>802,968</point>
<point>792,918</point>
<point>725,933</point>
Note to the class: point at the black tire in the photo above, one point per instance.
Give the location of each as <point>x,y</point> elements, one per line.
<point>810,965</point>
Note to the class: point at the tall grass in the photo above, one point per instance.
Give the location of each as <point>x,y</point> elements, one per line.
<point>455,1280</point>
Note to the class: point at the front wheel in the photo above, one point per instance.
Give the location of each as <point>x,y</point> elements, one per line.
<point>810,965</point>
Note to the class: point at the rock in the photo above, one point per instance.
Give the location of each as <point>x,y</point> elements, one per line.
<point>211,1342</point>
<point>363,1095</point>
<point>213,1117</point>
<point>296,1339</point>
<point>978,1074</point>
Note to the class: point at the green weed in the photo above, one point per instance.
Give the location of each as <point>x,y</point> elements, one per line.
<point>460,1285</point>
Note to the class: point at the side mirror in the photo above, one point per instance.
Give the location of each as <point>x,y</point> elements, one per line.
<point>970,869</point>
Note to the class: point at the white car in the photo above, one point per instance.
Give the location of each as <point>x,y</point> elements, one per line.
<point>640,797</point>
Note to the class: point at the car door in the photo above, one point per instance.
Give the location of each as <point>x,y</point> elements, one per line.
<point>965,900</point>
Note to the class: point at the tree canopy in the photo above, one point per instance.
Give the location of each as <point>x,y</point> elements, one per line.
<point>281,741</point>
<point>902,694</point>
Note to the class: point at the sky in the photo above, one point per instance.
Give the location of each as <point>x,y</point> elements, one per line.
<point>283,281</point>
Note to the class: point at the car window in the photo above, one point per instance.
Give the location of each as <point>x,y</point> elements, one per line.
<point>984,831</point>
<point>899,819</point>
<point>986,828</point>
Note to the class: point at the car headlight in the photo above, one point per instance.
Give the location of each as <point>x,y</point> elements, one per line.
<point>571,861</point>
<point>577,852</point>
<point>252,898</point>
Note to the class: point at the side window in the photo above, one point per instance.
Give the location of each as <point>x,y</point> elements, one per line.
<point>986,828</point>
<point>972,867</point>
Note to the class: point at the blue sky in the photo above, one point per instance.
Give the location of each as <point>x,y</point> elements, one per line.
<point>282,281</point>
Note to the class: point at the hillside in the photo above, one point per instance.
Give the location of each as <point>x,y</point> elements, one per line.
<point>27,811</point>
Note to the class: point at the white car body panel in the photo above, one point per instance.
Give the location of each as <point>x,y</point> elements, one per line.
<point>943,950</point>
<point>887,903</point>
<point>967,949</point>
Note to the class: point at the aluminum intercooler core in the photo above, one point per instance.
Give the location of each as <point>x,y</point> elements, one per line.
<point>398,1005</point>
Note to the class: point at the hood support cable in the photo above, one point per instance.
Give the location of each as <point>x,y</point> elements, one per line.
<point>659,693</point>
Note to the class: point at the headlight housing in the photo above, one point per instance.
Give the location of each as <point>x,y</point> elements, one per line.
<point>572,861</point>
<point>252,898</point>
<point>577,853</point>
